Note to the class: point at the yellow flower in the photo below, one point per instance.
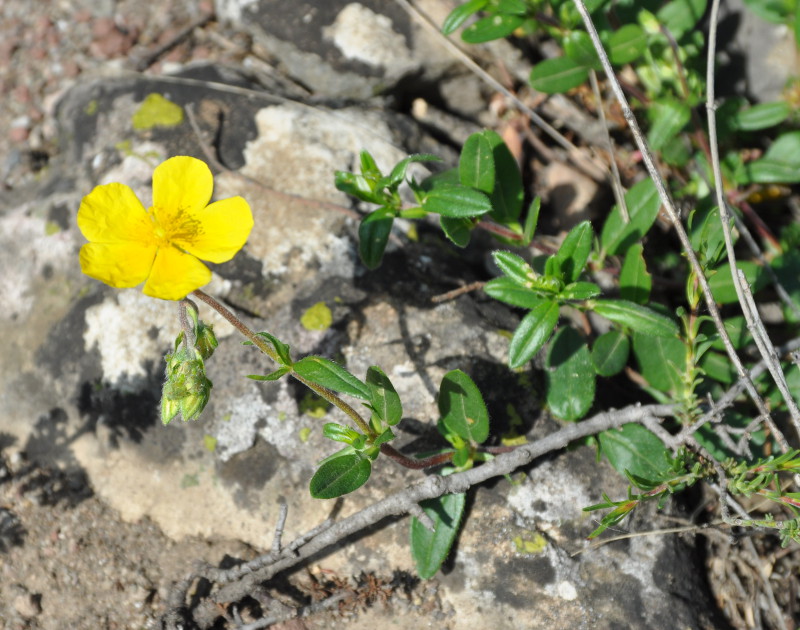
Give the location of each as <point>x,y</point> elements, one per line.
<point>160,246</point>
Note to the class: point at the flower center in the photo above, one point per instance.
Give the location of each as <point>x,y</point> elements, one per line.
<point>174,228</point>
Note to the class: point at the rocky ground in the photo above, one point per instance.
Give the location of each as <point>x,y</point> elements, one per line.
<point>76,551</point>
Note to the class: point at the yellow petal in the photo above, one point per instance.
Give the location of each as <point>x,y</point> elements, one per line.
<point>181,186</point>
<point>120,265</point>
<point>175,275</point>
<point>225,226</point>
<point>111,213</point>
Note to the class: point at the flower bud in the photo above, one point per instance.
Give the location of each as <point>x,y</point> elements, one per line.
<point>186,389</point>
<point>206,340</point>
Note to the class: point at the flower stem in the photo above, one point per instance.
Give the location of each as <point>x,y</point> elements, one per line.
<point>262,345</point>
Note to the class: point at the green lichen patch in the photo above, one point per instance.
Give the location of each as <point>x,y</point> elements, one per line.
<point>317,317</point>
<point>157,111</point>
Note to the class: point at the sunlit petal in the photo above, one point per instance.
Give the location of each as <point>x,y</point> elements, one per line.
<point>181,186</point>
<point>120,265</point>
<point>226,224</point>
<point>175,275</point>
<point>111,213</point>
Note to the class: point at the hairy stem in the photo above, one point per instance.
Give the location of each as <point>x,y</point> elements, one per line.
<point>262,345</point>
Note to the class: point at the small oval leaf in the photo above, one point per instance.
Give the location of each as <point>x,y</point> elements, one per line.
<point>532,333</point>
<point>634,281</point>
<point>340,476</point>
<point>462,409</point>
<point>627,44</point>
<point>610,353</point>
<point>558,75</point>
<point>636,317</point>
<point>384,400</point>
<point>329,374</point>
<point>491,27</point>
<point>636,450</point>
<point>456,201</point>
<point>373,234</point>
<point>430,548</point>
<point>570,376</point>
<point>476,163</point>
<point>508,291</point>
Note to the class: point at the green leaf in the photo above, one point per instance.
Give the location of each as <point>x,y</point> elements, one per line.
<point>508,192</point>
<point>430,548</point>
<point>610,353</point>
<point>513,7</point>
<point>398,173</point>
<point>462,409</point>
<point>514,267</point>
<point>340,476</point>
<point>532,333</point>
<point>718,367</point>
<point>636,317</point>
<point>706,234</point>
<point>579,291</point>
<point>281,349</point>
<point>574,251</point>
<point>667,119</point>
<point>761,116</point>
<point>570,376</point>
<point>636,450</point>
<point>681,16</point>
<point>508,291</point>
<point>579,48</point>
<point>627,44</point>
<point>369,168</point>
<point>634,281</point>
<point>558,75</point>
<point>721,283</point>
<point>340,433</point>
<point>384,399</point>
<point>661,360</point>
<point>476,163</point>
<point>272,376</point>
<point>461,14</point>
<point>325,372</point>
<point>359,186</point>
<point>456,201</point>
<point>491,27</point>
<point>373,235</point>
<point>643,203</point>
<point>531,221</point>
<point>457,229</point>
<point>780,164</point>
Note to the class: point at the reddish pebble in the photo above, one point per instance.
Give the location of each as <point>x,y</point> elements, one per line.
<point>103,26</point>
<point>84,15</point>
<point>18,134</point>
<point>70,68</point>
<point>21,94</point>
